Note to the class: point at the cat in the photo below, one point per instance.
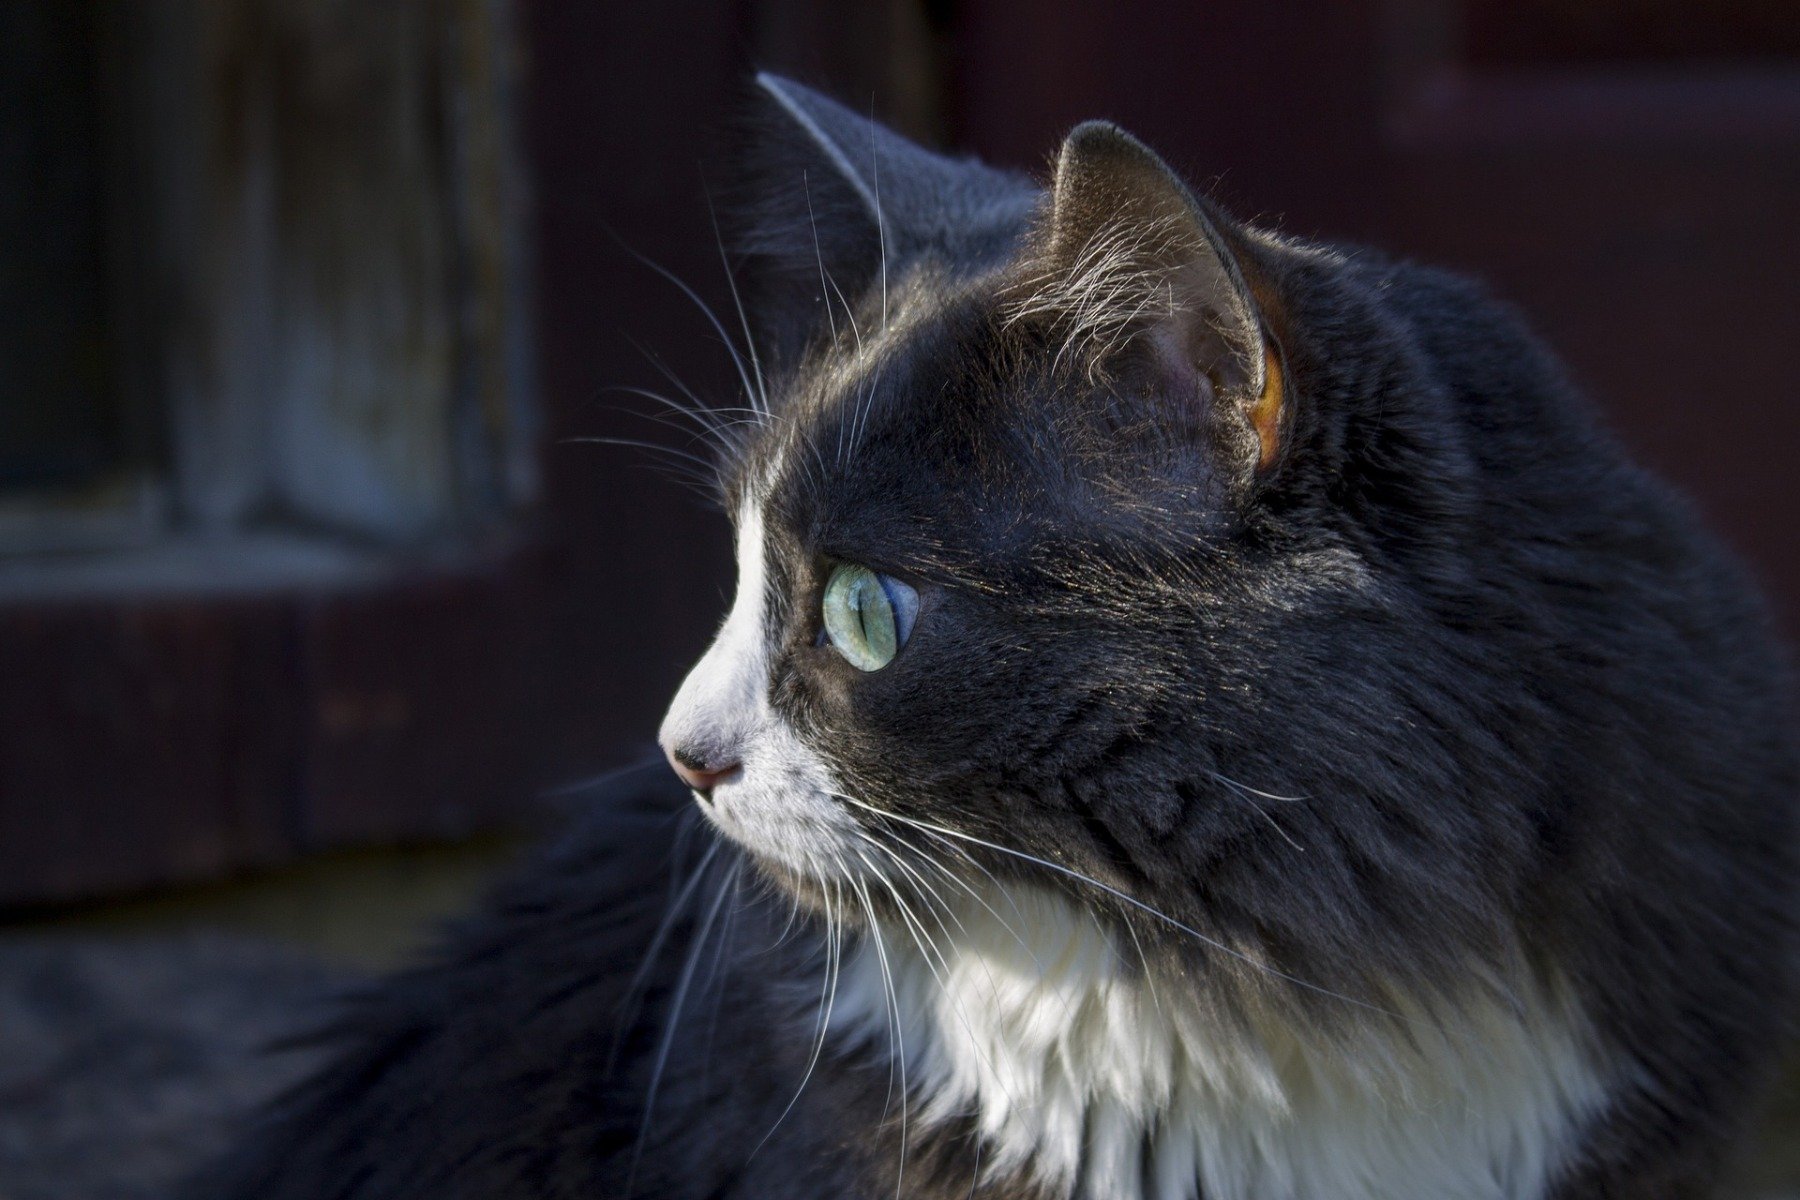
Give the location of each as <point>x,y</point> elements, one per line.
<point>1205,715</point>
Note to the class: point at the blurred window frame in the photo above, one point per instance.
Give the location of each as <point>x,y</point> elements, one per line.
<point>315,320</point>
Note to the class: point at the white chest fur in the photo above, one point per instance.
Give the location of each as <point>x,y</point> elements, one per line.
<point>1084,1078</point>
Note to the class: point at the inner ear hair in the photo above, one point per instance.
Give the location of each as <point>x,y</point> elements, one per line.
<point>1126,259</point>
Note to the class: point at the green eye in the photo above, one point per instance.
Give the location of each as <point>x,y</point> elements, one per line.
<point>868,616</point>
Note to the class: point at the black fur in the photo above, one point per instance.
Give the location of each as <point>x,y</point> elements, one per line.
<point>1530,716</point>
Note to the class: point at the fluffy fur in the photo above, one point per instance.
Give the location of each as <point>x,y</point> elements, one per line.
<point>1323,766</point>
<point>1086,1077</point>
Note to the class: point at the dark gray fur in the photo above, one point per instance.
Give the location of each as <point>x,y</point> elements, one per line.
<point>1533,715</point>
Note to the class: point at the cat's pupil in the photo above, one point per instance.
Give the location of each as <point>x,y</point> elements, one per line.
<point>859,605</point>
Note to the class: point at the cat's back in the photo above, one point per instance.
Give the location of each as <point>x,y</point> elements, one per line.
<point>1597,583</point>
<point>1553,503</point>
<point>1646,685</point>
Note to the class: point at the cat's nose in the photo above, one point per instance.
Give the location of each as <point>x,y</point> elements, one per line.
<point>700,772</point>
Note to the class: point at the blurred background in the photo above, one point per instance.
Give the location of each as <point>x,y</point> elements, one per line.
<point>311,593</point>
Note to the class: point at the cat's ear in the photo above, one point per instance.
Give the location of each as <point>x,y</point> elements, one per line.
<point>1128,264</point>
<point>829,197</point>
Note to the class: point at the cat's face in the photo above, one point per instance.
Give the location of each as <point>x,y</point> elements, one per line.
<point>990,570</point>
<point>955,598</point>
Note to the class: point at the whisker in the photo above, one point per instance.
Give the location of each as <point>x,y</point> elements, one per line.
<point>701,478</point>
<point>928,947</point>
<point>634,989</point>
<point>640,444</point>
<point>704,418</point>
<point>880,224</point>
<point>827,1000</point>
<point>756,414</point>
<point>1144,961</point>
<point>819,257</point>
<point>672,1023</point>
<point>1248,795</point>
<point>856,335</point>
<point>1244,787</point>
<point>926,887</point>
<point>1134,902</point>
<point>719,433</point>
<point>737,359</point>
<point>899,1034</point>
<point>1024,944</point>
<point>719,420</point>
<point>1000,888</point>
<point>743,320</point>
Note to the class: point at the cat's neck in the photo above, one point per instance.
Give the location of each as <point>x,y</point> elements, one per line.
<point>1087,1076</point>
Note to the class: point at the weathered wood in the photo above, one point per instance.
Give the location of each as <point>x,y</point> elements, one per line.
<point>159,742</point>
<point>315,217</point>
<point>329,209</point>
<point>428,703</point>
<point>60,425</point>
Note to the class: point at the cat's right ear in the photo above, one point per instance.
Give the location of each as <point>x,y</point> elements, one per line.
<point>1128,265</point>
<point>830,200</point>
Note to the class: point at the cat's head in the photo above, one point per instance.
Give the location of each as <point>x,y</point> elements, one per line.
<point>1051,538</point>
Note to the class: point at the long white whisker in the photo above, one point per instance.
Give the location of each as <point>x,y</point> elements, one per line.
<point>827,999</point>
<point>673,1022</point>
<point>719,432</point>
<point>933,956</point>
<point>880,223</point>
<point>737,359</point>
<point>640,444</point>
<point>899,1034</point>
<point>856,335</point>
<point>940,971</point>
<point>1030,951</point>
<point>701,405</point>
<point>865,401</point>
<point>1144,961</point>
<point>634,989</point>
<point>1244,787</point>
<point>700,417</point>
<point>690,470</point>
<point>668,373</point>
<point>743,320</point>
<point>929,889</point>
<point>976,896</point>
<point>819,257</point>
<point>999,888</point>
<point>1130,900</point>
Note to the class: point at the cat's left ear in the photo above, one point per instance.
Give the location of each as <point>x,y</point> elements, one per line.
<point>1128,263</point>
<point>834,205</point>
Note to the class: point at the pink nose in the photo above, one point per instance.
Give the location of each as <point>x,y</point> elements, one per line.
<point>697,772</point>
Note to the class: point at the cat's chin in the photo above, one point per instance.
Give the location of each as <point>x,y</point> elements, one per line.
<point>833,893</point>
<point>815,895</point>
